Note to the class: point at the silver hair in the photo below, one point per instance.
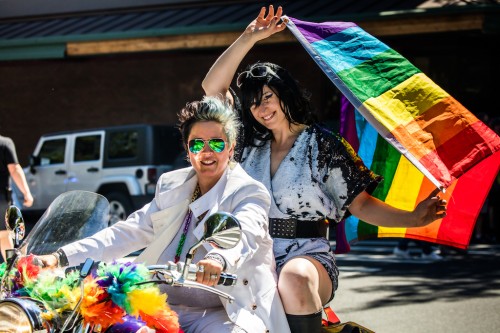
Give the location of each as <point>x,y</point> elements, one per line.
<point>220,111</point>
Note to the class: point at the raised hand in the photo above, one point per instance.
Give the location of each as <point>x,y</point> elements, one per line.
<point>266,25</point>
<point>430,209</point>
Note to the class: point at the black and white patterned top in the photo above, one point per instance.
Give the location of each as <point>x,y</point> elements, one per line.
<point>319,177</point>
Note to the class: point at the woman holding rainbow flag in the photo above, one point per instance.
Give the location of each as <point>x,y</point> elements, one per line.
<point>313,175</point>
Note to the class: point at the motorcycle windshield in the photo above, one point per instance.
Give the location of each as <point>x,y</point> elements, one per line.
<point>70,217</point>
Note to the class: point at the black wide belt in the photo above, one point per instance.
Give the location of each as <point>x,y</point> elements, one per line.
<point>293,228</point>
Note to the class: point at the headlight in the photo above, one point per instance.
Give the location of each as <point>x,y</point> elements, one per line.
<point>20,316</point>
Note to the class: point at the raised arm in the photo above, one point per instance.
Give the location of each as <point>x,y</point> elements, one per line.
<point>376,212</point>
<point>18,176</point>
<point>220,75</point>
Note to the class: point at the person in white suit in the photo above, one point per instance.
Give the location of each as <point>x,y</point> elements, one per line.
<point>184,199</point>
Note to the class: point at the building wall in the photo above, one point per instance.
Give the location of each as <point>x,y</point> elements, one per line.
<point>38,97</point>
<point>52,95</point>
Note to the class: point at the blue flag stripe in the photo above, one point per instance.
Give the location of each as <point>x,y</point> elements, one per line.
<point>349,48</point>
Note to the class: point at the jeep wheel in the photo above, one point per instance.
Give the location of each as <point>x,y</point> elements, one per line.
<point>119,207</point>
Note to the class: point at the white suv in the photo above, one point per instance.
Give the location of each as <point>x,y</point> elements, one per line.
<point>122,163</point>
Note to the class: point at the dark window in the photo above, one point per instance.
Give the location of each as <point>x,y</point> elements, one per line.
<point>88,148</point>
<point>123,144</point>
<point>52,152</point>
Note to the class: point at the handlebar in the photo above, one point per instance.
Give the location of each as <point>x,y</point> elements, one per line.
<point>225,279</point>
<point>171,268</point>
<point>171,274</point>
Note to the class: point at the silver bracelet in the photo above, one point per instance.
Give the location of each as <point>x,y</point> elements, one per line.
<point>217,257</point>
<point>62,260</point>
<point>55,254</point>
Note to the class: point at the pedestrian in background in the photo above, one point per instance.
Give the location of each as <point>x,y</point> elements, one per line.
<point>9,166</point>
<point>428,253</point>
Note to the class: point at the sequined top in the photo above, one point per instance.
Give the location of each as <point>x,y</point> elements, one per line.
<point>319,177</point>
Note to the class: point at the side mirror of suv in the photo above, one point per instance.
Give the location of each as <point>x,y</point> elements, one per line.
<point>34,161</point>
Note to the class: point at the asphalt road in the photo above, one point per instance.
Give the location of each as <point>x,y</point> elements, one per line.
<point>458,294</point>
<point>386,294</point>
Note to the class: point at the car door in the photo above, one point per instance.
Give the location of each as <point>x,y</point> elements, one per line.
<point>47,179</point>
<point>85,166</point>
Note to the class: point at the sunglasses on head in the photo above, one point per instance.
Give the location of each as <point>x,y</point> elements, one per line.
<point>197,145</point>
<point>257,72</point>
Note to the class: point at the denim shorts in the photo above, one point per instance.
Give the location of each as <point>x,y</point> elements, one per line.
<point>317,248</point>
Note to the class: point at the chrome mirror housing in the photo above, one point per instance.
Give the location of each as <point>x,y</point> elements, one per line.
<point>14,222</point>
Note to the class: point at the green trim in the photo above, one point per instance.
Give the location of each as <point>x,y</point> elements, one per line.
<point>198,29</point>
<point>124,35</point>
<point>23,52</point>
<point>54,46</point>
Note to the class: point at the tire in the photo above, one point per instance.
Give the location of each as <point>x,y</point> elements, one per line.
<point>120,207</point>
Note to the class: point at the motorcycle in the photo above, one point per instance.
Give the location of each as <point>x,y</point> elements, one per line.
<point>118,297</point>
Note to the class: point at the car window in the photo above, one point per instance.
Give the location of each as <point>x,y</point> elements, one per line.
<point>123,144</point>
<point>52,152</point>
<point>87,148</point>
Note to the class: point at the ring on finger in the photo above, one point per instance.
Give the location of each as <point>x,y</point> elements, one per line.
<point>213,276</point>
<point>201,268</point>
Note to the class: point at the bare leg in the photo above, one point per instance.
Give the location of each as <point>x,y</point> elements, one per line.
<point>304,286</point>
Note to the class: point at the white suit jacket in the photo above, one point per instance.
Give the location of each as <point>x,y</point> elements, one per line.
<point>257,306</point>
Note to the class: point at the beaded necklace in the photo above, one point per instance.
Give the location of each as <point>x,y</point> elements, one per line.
<point>187,222</point>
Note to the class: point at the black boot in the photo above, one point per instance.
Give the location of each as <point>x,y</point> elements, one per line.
<point>310,323</point>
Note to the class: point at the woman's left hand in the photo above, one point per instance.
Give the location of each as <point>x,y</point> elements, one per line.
<point>266,25</point>
<point>210,273</point>
<point>430,209</point>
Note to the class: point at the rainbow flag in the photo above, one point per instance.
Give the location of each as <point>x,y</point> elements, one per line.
<point>404,186</point>
<point>408,130</point>
<point>439,136</point>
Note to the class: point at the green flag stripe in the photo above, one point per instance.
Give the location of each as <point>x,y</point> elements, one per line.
<point>385,162</point>
<point>374,77</point>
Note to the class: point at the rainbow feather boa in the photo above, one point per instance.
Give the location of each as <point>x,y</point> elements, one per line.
<point>110,293</point>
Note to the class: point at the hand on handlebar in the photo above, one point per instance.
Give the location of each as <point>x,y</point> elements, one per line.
<point>46,261</point>
<point>208,272</point>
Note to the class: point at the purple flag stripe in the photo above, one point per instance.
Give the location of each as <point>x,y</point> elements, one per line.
<point>318,31</point>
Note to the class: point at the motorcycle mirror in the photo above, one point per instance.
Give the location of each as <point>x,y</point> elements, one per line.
<point>15,224</point>
<point>222,230</point>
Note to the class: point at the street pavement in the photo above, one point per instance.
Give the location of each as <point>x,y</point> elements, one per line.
<point>460,293</point>
<point>386,294</point>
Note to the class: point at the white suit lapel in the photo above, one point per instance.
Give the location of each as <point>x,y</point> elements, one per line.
<point>209,202</point>
<point>168,220</point>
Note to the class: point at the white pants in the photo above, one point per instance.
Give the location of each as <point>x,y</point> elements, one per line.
<point>205,320</point>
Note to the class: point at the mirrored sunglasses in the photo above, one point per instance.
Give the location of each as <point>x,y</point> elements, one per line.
<point>197,145</point>
<point>257,72</point>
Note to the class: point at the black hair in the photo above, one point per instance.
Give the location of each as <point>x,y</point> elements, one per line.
<point>294,100</point>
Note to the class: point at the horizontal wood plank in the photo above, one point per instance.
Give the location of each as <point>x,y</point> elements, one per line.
<point>390,27</point>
